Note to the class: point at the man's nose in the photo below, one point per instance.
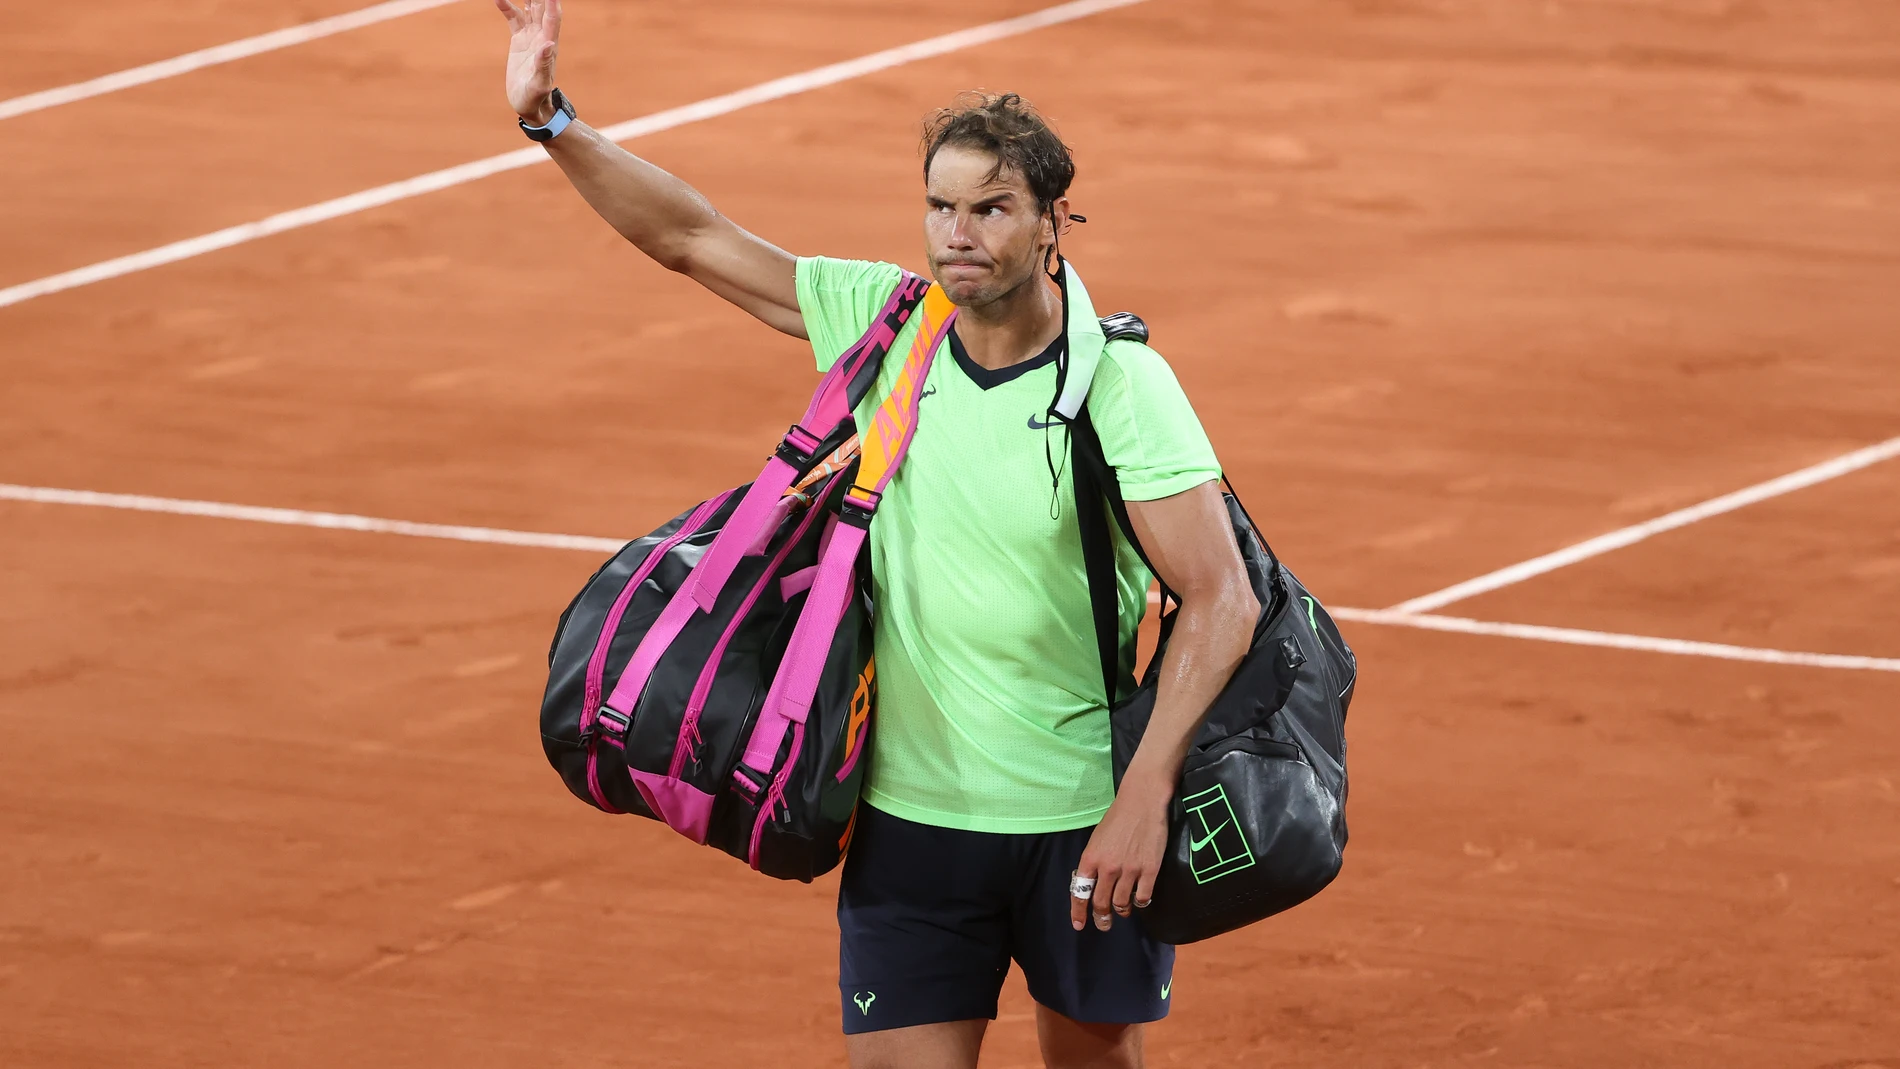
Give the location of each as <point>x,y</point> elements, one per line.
<point>960,233</point>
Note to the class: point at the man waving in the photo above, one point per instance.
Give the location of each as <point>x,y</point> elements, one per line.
<point>990,829</point>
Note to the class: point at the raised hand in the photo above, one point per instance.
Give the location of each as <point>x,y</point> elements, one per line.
<point>534,37</point>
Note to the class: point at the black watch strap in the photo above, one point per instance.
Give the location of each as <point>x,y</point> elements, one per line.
<point>563,114</point>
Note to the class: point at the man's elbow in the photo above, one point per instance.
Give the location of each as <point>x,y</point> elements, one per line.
<point>674,254</point>
<point>1230,608</point>
<point>1240,610</point>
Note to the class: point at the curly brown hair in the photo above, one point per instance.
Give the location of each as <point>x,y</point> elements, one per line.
<point>1008,128</point>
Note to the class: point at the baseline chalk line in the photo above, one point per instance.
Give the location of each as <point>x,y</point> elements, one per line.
<point>1613,640</point>
<point>340,521</point>
<point>777,88</point>
<point>1550,562</point>
<point>211,57</point>
<point>337,521</point>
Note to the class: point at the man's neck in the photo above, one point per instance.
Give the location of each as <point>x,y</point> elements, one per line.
<point>1013,328</point>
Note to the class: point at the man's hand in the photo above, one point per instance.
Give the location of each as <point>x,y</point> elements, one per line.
<point>534,37</point>
<point>1124,853</point>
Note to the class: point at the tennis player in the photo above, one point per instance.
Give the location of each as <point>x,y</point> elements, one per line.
<point>990,828</point>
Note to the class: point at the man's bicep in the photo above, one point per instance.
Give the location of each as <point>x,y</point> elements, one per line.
<point>1190,541</point>
<point>750,272</point>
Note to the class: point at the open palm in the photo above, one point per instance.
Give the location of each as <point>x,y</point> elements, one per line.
<point>535,31</point>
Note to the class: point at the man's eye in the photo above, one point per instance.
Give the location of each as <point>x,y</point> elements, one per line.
<point>994,209</point>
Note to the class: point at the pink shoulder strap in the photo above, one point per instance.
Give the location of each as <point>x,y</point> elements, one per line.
<point>847,381</point>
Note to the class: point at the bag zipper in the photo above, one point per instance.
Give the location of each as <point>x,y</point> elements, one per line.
<point>597,664</point>
<point>776,794</point>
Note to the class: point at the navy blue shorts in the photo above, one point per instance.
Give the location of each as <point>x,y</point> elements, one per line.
<point>929,919</point>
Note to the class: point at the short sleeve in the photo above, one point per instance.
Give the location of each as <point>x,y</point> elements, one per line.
<point>839,299</point>
<point>1149,432</point>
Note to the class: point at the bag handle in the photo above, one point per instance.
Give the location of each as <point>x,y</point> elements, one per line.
<point>1095,482</point>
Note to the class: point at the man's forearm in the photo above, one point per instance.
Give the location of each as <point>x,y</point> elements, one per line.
<point>655,211</point>
<point>1211,636</point>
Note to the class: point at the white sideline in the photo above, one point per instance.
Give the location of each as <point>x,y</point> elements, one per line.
<point>790,85</point>
<point>339,521</point>
<point>1549,562</point>
<point>1613,640</point>
<point>211,57</point>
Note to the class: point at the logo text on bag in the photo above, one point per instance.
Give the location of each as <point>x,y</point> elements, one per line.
<point>861,706</point>
<point>1216,846</point>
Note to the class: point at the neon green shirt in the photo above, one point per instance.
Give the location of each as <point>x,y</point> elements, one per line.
<point>990,713</point>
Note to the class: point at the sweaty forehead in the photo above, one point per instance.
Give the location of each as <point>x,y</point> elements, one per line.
<point>958,173</point>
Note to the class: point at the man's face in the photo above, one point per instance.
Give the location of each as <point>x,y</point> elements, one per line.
<point>983,237</point>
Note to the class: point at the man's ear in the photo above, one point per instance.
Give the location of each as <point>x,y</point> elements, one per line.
<point>1055,223</point>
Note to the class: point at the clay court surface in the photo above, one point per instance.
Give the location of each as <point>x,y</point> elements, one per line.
<point>1452,283</point>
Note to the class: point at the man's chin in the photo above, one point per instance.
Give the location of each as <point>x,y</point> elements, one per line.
<point>965,293</point>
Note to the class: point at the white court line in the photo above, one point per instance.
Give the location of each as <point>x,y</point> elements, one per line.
<point>339,521</point>
<point>211,57</point>
<point>1549,562</point>
<point>336,521</point>
<point>1613,640</point>
<point>508,161</point>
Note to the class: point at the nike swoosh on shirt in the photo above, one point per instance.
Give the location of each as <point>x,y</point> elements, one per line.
<point>1037,425</point>
<point>1196,844</point>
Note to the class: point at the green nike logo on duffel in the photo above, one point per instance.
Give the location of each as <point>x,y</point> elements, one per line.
<point>1198,844</point>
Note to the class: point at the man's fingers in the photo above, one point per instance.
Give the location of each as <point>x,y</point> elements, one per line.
<point>1125,890</point>
<point>546,59</point>
<point>516,19</point>
<point>551,22</point>
<point>1145,889</point>
<point>1103,903</point>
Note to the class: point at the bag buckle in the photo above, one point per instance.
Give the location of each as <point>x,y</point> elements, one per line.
<point>609,724</point>
<point>791,453</point>
<point>749,788</point>
<point>858,505</point>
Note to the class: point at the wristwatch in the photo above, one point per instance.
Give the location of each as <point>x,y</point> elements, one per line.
<point>563,114</point>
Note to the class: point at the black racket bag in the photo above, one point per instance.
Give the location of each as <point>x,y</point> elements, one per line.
<point>1258,823</point>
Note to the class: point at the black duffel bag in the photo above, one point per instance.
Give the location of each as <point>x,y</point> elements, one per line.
<point>1258,824</point>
